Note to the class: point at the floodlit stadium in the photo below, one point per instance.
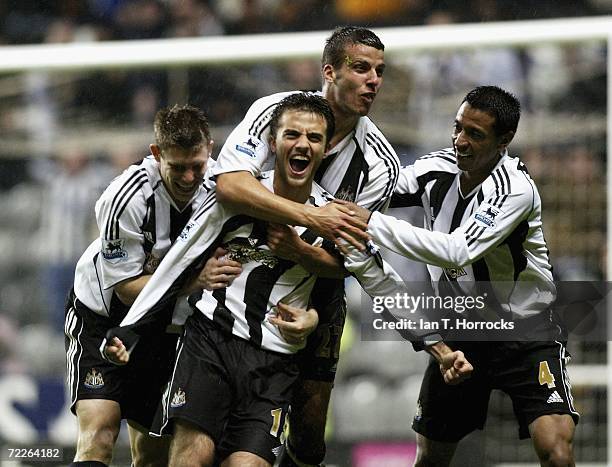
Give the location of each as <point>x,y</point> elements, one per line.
<point>78,109</point>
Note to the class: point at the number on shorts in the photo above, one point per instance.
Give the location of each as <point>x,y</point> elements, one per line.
<point>277,416</point>
<point>545,376</point>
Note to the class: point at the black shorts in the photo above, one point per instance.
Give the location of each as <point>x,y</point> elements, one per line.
<point>137,386</point>
<point>319,359</point>
<point>533,374</point>
<point>235,392</point>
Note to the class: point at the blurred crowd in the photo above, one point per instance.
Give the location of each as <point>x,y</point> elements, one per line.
<point>31,21</point>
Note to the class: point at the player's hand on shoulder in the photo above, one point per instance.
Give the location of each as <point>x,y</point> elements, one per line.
<point>338,220</point>
<point>116,352</point>
<point>218,272</point>
<point>455,368</point>
<point>295,324</point>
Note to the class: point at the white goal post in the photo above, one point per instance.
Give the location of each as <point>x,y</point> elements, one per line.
<point>221,50</point>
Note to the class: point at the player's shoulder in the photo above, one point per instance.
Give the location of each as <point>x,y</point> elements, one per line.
<point>443,160</point>
<point>372,141</point>
<point>510,177</point>
<point>134,182</point>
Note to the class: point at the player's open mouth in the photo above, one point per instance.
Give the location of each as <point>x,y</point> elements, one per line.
<point>369,96</point>
<point>299,163</point>
<point>184,190</point>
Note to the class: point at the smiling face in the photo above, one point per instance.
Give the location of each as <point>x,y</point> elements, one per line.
<point>352,87</point>
<point>477,146</point>
<point>182,170</point>
<point>299,145</point>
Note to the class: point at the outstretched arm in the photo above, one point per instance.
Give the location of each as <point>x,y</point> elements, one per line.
<point>243,193</point>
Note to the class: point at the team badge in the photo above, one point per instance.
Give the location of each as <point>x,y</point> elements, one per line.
<point>249,147</point>
<point>178,399</point>
<point>112,251</point>
<point>94,379</point>
<point>486,215</point>
<point>346,194</point>
<point>419,412</point>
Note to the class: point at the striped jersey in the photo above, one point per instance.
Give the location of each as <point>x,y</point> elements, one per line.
<point>138,221</point>
<point>242,308</point>
<point>492,235</point>
<point>363,167</point>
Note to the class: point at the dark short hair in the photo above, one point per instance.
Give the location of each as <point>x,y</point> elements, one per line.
<point>335,45</point>
<point>306,102</point>
<point>181,126</point>
<point>500,104</point>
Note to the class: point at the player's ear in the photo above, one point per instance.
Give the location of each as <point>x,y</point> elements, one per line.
<point>154,148</point>
<point>329,73</point>
<point>505,140</point>
<point>211,143</point>
<point>272,144</point>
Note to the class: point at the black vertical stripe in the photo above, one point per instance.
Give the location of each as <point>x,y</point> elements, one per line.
<point>149,226</point>
<point>439,190</point>
<point>258,288</point>
<point>460,208</point>
<point>178,221</point>
<point>355,177</point>
<point>515,243</point>
<point>325,163</point>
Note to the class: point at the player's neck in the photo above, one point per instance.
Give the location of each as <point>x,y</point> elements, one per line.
<point>344,126</point>
<point>298,194</point>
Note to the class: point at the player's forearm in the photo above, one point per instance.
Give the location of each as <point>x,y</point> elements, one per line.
<point>128,290</point>
<point>243,193</point>
<point>438,350</point>
<point>436,248</point>
<point>322,263</point>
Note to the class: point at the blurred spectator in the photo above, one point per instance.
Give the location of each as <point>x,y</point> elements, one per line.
<point>193,18</point>
<point>139,19</point>
<point>71,186</point>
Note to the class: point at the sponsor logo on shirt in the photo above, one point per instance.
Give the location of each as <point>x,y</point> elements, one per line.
<point>94,379</point>
<point>247,253</point>
<point>554,398</point>
<point>486,215</point>
<point>249,147</point>
<point>453,273</point>
<point>112,250</point>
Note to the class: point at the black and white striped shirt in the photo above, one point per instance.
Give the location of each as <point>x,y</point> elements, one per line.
<point>363,167</point>
<point>241,308</point>
<point>493,234</point>
<point>138,222</point>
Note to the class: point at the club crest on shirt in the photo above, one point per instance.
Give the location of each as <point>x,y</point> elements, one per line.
<point>486,215</point>
<point>346,194</point>
<point>94,379</point>
<point>112,250</point>
<point>178,399</point>
<point>419,412</point>
<point>186,233</point>
<point>249,147</point>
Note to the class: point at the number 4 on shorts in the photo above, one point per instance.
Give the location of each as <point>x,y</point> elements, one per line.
<point>545,376</point>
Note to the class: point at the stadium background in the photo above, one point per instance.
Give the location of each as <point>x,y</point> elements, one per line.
<point>65,134</point>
